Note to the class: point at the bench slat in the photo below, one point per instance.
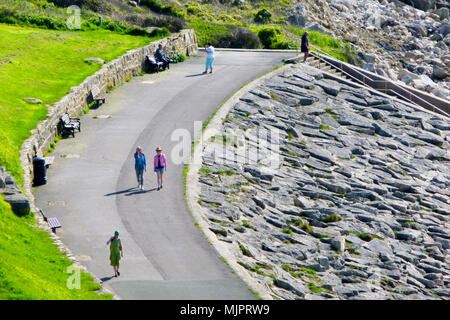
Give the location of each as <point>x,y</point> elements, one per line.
<point>54,223</point>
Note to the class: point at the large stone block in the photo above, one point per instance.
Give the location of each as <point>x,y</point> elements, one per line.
<point>20,205</point>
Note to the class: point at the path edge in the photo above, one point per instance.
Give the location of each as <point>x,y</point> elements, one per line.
<point>192,184</point>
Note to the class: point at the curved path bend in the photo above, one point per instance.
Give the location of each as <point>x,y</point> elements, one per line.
<point>91,184</point>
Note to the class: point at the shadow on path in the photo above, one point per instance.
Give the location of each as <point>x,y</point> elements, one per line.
<point>120,192</point>
<point>104,279</point>
<point>195,75</point>
<point>130,191</point>
<point>140,191</point>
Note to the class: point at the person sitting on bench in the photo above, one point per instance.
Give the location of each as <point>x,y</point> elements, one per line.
<point>161,57</point>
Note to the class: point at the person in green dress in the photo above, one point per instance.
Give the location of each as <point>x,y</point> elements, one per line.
<point>115,247</point>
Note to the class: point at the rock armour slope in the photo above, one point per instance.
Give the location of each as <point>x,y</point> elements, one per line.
<point>326,191</point>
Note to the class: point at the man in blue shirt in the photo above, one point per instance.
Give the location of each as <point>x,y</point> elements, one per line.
<point>161,57</point>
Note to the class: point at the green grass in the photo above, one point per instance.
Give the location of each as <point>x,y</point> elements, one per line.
<point>332,218</point>
<point>27,70</point>
<point>31,266</point>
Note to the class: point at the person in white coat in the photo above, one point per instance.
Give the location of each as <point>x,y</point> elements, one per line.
<point>209,58</point>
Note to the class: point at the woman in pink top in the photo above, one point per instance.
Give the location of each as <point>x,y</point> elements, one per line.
<point>159,165</point>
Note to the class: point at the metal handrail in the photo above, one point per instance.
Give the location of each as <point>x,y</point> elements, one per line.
<point>373,80</point>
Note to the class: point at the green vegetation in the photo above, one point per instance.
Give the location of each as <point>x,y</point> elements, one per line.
<point>366,236</point>
<point>227,172</point>
<point>31,266</point>
<point>246,223</point>
<point>257,268</point>
<point>204,170</point>
<point>332,218</point>
<point>244,250</point>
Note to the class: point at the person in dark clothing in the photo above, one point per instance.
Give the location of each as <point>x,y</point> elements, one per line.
<point>161,57</point>
<point>305,46</point>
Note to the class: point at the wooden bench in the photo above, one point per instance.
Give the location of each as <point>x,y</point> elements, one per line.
<point>154,65</point>
<point>53,223</point>
<point>70,124</point>
<point>97,96</point>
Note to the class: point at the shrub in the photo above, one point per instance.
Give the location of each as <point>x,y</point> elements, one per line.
<point>158,7</point>
<point>226,36</point>
<point>174,24</point>
<point>245,38</point>
<point>268,37</point>
<point>179,58</point>
<point>263,16</point>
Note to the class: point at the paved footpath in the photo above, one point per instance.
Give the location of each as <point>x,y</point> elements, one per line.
<point>91,186</point>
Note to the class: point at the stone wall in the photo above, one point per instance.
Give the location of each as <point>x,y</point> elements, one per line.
<point>110,75</point>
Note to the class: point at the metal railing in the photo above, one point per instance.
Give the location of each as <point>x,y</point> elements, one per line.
<point>366,80</point>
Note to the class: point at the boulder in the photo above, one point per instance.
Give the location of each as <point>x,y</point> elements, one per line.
<point>338,244</point>
<point>443,13</point>
<point>439,72</point>
<point>421,4</point>
<point>19,204</point>
<point>406,76</point>
<point>314,26</point>
<point>297,20</point>
<point>444,29</point>
<point>32,100</point>
<point>98,60</point>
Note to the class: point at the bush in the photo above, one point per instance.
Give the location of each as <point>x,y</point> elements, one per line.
<point>158,7</point>
<point>263,16</point>
<point>160,32</point>
<point>174,24</point>
<point>245,38</point>
<point>268,37</point>
<point>225,36</point>
<point>178,58</point>
<point>11,16</point>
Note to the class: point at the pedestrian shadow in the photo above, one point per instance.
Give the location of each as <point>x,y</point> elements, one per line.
<point>140,192</point>
<point>104,279</point>
<point>195,75</point>
<point>120,192</point>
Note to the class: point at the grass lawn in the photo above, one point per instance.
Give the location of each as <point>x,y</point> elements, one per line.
<point>45,64</point>
<point>42,64</point>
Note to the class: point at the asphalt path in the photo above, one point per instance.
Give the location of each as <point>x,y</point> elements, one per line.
<point>92,190</point>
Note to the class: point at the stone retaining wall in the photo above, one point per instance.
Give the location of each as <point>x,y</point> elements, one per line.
<point>110,75</point>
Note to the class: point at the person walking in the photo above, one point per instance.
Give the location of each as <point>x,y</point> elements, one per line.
<point>140,166</point>
<point>116,252</point>
<point>305,46</point>
<point>159,165</point>
<point>209,58</point>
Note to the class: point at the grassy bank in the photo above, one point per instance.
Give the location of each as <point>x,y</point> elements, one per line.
<point>31,267</point>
